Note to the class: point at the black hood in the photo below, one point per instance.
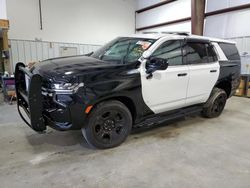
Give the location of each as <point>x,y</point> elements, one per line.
<point>68,67</point>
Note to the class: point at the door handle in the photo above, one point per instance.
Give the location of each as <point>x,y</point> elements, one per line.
<point>182,74</point>
<point>213,71</point>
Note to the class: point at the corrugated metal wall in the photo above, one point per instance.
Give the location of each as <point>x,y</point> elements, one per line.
<point>28,51</point>
<point>168,12</point>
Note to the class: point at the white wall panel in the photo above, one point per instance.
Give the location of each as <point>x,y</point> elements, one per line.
<point>78,21</point>
<point>39,48</point>
<point>21,52</point>
<point>3,14</point>
<point>51,51</point>
<point>213,5</point>
<point>184,26</point>
<point>14,52</point>
<point>29,51</point>
<point>228,25</point>
<point>33,51</point>
<point>145,3</point>
<point>247,45</point>
<point>45,54</point>
<point>165,13</point>
<point>56,49</point>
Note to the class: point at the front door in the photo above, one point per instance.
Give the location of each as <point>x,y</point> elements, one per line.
<point>167,89</point>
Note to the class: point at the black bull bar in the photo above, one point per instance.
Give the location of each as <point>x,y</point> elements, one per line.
<point>29,97</point>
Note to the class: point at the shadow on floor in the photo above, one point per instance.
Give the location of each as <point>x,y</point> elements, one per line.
<point>72,138</point>
<point>53,137</point>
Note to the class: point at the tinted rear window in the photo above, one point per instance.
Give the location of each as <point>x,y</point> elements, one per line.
<point>230,51</point>
<point>199,53</point>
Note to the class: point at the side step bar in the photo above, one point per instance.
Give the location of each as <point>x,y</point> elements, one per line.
<point>29,97</point>
<point>164,118</point>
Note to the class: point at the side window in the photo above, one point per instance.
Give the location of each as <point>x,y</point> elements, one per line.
<point>197,53</point>
<point>171,51</point>
<point>230,51</point>
<point>212,56</point>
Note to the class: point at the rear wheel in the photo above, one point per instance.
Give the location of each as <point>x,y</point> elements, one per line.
<point>215,104</point>
<point>109,124</point>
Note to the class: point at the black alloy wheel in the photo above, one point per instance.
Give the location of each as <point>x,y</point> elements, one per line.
<point>216,103</point>
<point>109,125</point>
<point>219,104</point>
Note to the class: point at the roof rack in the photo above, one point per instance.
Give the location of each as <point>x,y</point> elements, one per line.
<point>151,32</point>
<point>168,32</point>
<point>176,32</point>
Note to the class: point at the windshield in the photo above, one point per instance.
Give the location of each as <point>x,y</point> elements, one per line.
<point>123,50</point>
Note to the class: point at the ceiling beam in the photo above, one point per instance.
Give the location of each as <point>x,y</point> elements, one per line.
<point>154,6</point>
<point>164,23</point>
<point>221,11</point>
<point>226,10</point>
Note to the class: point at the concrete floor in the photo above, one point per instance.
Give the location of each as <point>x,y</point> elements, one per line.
<point>196,152</point>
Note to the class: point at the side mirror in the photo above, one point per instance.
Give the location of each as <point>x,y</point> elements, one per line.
<point>155,64</point>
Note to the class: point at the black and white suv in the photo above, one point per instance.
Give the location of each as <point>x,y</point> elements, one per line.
<point>130,82</point>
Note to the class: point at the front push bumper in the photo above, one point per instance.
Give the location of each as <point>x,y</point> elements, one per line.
<point>29,97</point>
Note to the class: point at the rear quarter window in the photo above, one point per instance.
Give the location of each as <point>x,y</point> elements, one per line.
<point>230,51</point>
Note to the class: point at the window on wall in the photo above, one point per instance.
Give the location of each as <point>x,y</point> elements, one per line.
<point>171,51</point>
<point>197,53</point>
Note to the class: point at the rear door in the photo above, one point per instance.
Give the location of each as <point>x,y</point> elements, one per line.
<point>203,68</point>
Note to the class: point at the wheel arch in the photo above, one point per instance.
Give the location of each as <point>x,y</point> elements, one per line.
<point>127,101</point>
<point>226,86</point>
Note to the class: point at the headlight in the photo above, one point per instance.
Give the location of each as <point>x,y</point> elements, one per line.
<point>67,88</point>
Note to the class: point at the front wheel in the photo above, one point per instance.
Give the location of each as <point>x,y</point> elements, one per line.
<point>215,104</point>
<point>109,124</point>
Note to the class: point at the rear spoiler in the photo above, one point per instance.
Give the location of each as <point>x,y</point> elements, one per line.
<point>29,97</point>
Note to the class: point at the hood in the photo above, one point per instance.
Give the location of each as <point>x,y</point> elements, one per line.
<point>68,67</point>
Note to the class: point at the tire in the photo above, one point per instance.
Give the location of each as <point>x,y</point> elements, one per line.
<point>109,124</point>
<point>215,104</point>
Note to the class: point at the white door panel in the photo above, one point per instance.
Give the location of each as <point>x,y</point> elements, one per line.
<point>201,82</point>
<point>165,90</point>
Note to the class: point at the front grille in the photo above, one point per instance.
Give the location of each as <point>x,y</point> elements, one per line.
<point>48,102</point>
<point>46,84</point>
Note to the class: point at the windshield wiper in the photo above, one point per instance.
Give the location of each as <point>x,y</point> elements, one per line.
<point>89,54</point>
